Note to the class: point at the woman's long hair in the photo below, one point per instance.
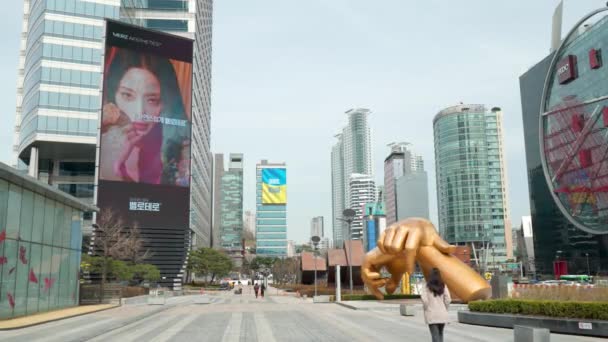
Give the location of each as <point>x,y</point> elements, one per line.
<point>435,283</point>
<point>173,107</point>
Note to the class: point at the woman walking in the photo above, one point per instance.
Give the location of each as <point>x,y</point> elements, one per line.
<point>256,288</point>
<point>435,300</point>
<point>262,289</point>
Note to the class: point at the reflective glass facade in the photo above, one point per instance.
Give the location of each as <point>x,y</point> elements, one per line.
<point>574,129</point>
<point>40,247</point>
<point>470,177</point>
<point>59,77</point>
<point>231,192</point>
<point>271,220</point>
<point>552,230</point>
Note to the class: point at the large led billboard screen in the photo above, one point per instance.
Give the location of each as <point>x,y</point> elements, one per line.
<point>145,129</point>
<point>274,186</point>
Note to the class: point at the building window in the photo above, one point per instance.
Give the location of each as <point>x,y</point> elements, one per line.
<point>167,25</point>
<point>78,190</point>
<point>76,169</point>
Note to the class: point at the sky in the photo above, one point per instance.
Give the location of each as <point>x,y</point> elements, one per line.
<point>285,71</point>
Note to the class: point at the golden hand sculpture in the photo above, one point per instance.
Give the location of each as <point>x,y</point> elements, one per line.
<point>415,239</point>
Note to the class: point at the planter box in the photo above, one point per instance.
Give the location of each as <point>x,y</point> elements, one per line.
<point>406,310</point>
<point>531,334</point>
<point>574,326</point>
<point>320,299</point>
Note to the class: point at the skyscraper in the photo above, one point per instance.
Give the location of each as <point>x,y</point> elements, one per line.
<point>361,191</point>
<point>216,193</point>
<point>471,178</point>
<point>401,161</point>
<point>58,92</point>
<point>338,191</point>
<point>316,227</point>
<point>351,154</point>
<point>412,195</point>
<point>553,231</point>
<point>231,203</point>
<point>249,222</point>
<point>271,209</point>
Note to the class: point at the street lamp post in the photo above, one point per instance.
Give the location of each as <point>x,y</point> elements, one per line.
<point>588,268</point>
<point>315,241</point>
<point>348,216</point>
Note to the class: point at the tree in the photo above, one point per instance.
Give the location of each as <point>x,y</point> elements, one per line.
<point>115,269</point>
<point>145,272</point>
<point>260,262</point>
<point>285,270</point>
<point>120,270</point>
<point>304,248</point>
<point>209,262</point>
<point>114,241</point>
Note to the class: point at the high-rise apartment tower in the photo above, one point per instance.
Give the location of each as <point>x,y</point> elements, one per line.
<point>350,155</point>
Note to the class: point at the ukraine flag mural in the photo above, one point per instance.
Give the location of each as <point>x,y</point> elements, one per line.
<point>274,186</point>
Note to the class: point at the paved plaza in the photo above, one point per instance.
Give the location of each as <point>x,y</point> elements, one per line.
<point>277,317</point>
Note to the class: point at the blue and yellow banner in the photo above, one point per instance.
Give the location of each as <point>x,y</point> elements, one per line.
<point>274,186</point>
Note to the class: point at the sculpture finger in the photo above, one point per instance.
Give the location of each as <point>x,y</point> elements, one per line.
<point>411,249</point>
<point>443,246</point>
<point>378,283</point>
<point>376,292</point>
<point>388,240</point>
<point>392,284</point>
<point>371,275</point>
<point>380,242</point>
<point>399,238</point>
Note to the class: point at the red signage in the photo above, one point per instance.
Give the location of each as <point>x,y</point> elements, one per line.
<point>595,58</point>
<point>560,267</point>
<point>566,69</point>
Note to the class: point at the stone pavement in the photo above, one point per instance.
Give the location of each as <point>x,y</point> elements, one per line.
<point>276,317</point>
<point>50,316</point>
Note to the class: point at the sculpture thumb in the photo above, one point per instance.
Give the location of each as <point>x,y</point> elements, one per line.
<point>443,246</point>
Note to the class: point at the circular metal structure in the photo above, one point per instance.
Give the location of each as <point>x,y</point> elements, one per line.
<point>574,126</point>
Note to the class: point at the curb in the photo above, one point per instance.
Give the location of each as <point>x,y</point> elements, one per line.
<point>57,319</point>
<point>347,306</point>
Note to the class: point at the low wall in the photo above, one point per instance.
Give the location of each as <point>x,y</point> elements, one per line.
<point>555,325</point>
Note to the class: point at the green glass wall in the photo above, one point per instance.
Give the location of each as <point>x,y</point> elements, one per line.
<point>40,242</point>
<point>470,185</point>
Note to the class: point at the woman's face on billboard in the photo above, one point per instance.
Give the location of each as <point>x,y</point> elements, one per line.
<point>138,94</point>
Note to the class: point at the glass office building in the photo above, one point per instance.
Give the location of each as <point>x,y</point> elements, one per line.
<point>40,246</point>
<point>554,235</point>
<point>58,93</point>
<point>271,219</point>
<point>471,179</point>
<point>231,203</point>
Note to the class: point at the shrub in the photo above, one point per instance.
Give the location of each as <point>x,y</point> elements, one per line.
<point>561,293</point>
<point>550,308</point>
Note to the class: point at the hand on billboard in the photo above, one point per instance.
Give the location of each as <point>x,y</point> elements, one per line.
<point>405,237</point>
<point>133,133</point>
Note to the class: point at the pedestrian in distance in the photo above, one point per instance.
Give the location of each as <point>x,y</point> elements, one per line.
<point>262,289</point>
<point>256,289</point>
<point>435,301</point>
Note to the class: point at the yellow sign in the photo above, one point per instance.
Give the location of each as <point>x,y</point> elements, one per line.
<point>274,186</point>
<point>488,276</point>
